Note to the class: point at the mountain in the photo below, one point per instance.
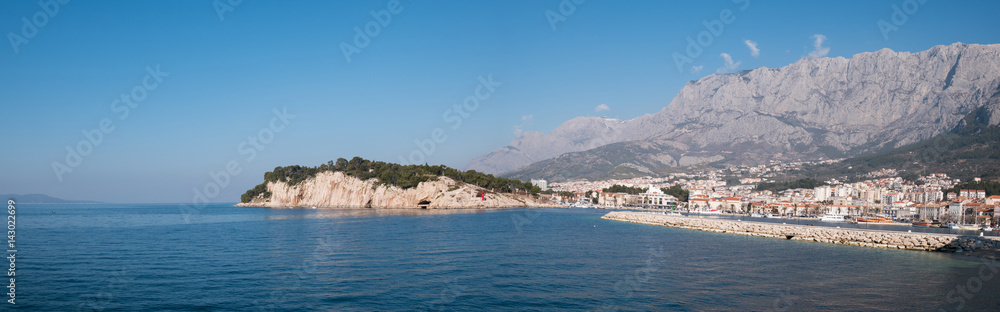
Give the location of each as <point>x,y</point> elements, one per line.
<point>42,199</point>
<point>811,109</point>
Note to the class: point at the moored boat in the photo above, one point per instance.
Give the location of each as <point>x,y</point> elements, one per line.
<point>963,227</point>
<point>831,218</point>
<point>873,220</point>
<point>923,223</point>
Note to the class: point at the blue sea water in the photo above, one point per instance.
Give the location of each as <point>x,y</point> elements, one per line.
<point>153,257</point>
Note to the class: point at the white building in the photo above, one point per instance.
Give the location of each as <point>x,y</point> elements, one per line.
<point>544,185</point>
<point>652,198</point>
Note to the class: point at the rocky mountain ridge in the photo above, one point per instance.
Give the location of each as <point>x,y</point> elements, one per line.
<point>811,109</point>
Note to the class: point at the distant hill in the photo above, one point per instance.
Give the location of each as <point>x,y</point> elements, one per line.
<point>43,199</point>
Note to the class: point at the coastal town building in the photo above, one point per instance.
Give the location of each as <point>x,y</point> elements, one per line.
<point>653,198</point>
<point>883,194</point>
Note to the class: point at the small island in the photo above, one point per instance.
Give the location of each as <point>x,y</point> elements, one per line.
<point>362,183</point>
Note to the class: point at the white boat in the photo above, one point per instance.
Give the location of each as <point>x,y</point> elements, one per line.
<point>963,227</point>
<point>771,216</point>
<point>756,215</point>
<point>832,218</point>
<point>987,228</point>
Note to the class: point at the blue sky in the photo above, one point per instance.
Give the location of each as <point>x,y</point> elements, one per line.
<point>222,76</point>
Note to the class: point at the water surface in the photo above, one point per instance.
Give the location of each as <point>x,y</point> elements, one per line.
<point>150,257</point>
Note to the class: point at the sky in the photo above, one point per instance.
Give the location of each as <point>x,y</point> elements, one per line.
<point>160,101</point>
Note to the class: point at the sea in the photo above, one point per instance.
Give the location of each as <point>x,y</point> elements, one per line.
<point>162,257</point>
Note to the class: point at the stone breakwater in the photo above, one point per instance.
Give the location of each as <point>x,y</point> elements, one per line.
<point>845,236</point>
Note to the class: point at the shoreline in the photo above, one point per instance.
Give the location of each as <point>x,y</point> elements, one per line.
<point>951,243</point>
<point>251,205</point>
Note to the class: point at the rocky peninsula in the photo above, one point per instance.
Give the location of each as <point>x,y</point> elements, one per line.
<point>337,190</point>
<point>845,236</point>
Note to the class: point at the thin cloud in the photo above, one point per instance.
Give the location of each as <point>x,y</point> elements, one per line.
<point>818,49</point>
<point>728,66</point>
<point>602,107</point>
<point>696,69</point>
<point>754,51</point>
<point>524,121</point>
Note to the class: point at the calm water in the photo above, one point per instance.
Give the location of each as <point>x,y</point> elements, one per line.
<point>149,257</point>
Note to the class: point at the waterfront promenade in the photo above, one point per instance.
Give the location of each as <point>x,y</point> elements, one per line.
<point>846,236</point>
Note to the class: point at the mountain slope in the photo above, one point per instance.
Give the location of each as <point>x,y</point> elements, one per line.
<point>970,150</point>
<point>811,109</point>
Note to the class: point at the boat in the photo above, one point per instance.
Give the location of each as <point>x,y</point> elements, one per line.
<point>923,223</point>
<point>963,227</point>
<point>987,228</point>
<point>873,220</point>
<point>832,218</point>
<point>756,215</point>
<point>771,216</point>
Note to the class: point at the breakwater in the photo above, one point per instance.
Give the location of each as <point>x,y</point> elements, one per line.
<point>845,236</point>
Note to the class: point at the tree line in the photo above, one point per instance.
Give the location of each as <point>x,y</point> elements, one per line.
<point>991,187</point>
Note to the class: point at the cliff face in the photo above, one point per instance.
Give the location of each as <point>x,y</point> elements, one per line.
<point>337,190</point>
<point>811,109</point>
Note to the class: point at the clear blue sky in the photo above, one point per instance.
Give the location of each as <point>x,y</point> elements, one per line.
<point>227,75</point>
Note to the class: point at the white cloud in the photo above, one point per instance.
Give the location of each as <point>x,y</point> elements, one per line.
<point>818,49</point>
<point>754,51</point>
<point>524,121</point>
<point>728,66</point>
<point>696,69</point>
<point>602,107</point>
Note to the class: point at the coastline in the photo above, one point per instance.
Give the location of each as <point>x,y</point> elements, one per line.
<point>524,205</point>
<point>968,245</point>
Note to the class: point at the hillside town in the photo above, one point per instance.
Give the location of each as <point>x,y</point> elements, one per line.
<point>883,195</point>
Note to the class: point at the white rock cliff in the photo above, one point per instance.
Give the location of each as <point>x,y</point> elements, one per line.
<point>337,190</point>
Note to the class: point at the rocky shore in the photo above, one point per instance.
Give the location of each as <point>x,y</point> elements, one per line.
<point>845,236</point>
<point>337,190</point>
